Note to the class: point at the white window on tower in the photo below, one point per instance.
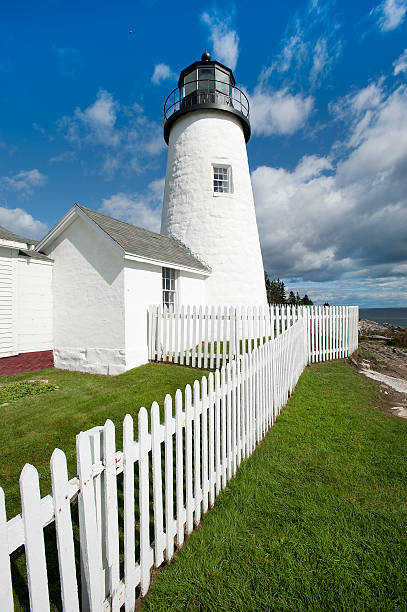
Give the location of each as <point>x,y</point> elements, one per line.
<point>222,180</point>
<point>168,283</point>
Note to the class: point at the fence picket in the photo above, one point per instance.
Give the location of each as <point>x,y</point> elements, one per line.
<point>204,444</point>
<point>146,553</point>
<point>64,532</point>
<point>170,524</point>
<point>189,413</point>
<point>194,339</point>
<point>213,338</point>
<point>156,439</point>
<point>34,539</point>
<point>130,574</point>
<point>111,514</point>
<point>197,452</point>
<point>211,443</point>
<point>179,471</point>
<point>91,549</point>
<point>206,341</point>
<point>200,338</point>
<point>218,458</point>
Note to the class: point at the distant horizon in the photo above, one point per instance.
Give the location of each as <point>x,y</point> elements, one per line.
<point>382,307</point>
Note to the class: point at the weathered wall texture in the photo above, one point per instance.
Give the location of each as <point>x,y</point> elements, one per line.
<point>220,228</point>
<point>89,333</point>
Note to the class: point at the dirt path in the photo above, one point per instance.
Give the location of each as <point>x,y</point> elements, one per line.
<point>380,360</point>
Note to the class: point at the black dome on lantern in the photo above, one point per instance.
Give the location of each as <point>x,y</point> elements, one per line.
<point>206,85</point>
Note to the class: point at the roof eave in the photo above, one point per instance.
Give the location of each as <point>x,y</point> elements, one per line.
<point>166,264</point>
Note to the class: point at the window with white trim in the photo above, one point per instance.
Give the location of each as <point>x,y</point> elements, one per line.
<point>168,283</point>
<point>222,179</point>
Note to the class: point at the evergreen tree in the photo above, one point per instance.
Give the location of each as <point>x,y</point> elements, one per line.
<point>291,298</point>
<point>276,294</point>
<point>276,291</point>
<point>305,301</point>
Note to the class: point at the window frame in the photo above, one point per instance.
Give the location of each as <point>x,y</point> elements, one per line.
<point>166,281</point>
<point>228,167</point>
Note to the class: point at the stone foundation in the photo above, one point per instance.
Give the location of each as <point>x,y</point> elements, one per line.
<point>92,360</point>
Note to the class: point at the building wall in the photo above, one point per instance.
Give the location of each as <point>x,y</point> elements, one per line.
<point>220,228</point>
<point>89,331</point>
<point>143,287</point>
<point>34,305</point>
<point>191,289</point>
<point>142,284</point>
<point>8,302</point>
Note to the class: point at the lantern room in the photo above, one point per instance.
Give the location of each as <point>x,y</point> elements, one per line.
<point>206,85</point>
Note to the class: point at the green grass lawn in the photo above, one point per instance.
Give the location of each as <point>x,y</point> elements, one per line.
<point>316,519</point>
<point>31,427</point>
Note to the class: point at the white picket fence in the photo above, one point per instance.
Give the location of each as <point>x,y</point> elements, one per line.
<point>206,337</point>
<point>215,425</point>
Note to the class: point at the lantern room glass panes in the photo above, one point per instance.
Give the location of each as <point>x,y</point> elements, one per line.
<point>221,179</point>
<point>168,286</point>
<point>190,83</point>
<point>206,78</point>
<point>222,81</point>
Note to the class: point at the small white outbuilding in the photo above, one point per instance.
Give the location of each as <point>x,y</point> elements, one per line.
<point>25,297</point>
<point>106,274</point>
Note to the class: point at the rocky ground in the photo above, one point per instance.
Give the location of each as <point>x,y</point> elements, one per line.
<point>382,356</point>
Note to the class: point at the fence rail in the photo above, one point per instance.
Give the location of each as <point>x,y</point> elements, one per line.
<point>207,431</point>
<point>209,337</point>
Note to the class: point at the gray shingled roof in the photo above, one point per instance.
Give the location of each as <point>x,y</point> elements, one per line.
<point>142,242</point>
<point>5,234</point>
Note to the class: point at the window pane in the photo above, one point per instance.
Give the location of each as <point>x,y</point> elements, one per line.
<point>168,286</point>
<point>190,83</point>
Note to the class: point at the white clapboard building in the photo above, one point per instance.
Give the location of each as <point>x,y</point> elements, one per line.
<point>25,297</point>
<point>95,276</point>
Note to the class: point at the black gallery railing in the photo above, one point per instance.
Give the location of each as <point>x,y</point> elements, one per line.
<point>206,92</point>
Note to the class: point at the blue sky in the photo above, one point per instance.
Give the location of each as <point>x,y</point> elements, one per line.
<point>81,110</point>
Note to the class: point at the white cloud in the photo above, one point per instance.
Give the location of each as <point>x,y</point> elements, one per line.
<point>125,134</point>
<point>309,48</point>
<point>143,210</point>
<point>391,14</point>
<point>162,72</point>
<point>62,157</point>
<point>400,65</point>
<point>224,39</point>
<point>24,181</point>
<point>278,112</point>
<point>339,218</point>
<point>320,59</point>
<point>96,124</point>
<point>21,222</point>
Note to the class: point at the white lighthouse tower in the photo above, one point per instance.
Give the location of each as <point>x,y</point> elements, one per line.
<point>208,199</point>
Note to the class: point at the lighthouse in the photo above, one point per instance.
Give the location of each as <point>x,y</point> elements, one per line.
<point>208,201</point>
